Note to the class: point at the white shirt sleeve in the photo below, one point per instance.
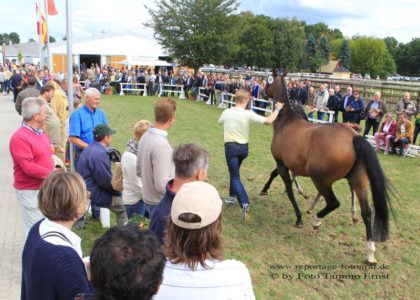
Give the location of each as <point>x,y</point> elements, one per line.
<point>222,118</point>
<point>253,117</point>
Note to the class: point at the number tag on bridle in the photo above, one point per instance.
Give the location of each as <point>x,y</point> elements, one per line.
<point>270,80</point>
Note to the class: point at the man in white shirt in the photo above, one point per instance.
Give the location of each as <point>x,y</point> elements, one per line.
<point>236,122</point>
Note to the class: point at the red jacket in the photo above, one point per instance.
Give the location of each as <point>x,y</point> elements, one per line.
<point>32,161</point>
<point>392,129</point>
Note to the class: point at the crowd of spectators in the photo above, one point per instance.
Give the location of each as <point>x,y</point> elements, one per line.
<point>181,255</point>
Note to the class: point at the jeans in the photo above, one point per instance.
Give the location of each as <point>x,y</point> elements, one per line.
<point>386,138</point>
<point>321,115</point>
<point>195,90</point>
<point>137,208</point>
<point>150,209</point>
<point>401,143</point>
<point>235,154</point>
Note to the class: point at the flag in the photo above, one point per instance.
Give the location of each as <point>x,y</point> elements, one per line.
<point>44,29</point>
<point>51,8</point>
<point>38,23</point>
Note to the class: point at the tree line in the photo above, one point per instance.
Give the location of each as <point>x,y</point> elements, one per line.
<point>198,32</point>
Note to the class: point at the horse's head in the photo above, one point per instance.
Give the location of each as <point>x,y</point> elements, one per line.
<point>276,88</point>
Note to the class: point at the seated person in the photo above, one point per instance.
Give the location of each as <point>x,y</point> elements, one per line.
<point>195,268</point>
<point>95,167</point>
<point>388,129</point>
<point>132,185</point>
<point>125,263</point>
<point>403,135</point>
<point>191,163</point>
<point>52,266</point>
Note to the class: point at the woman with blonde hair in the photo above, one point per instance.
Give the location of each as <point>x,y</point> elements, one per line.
<point>52,266</point>
<point>132,186</point>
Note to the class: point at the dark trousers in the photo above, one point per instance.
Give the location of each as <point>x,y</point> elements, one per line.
<point>416,132</point>
<point>371,123</point>
<point>345,117</point>
<point>401,143</point>
<point>151,91</point>
<point>235,154</point>
<point>336,116</point>
<point>15,93</point>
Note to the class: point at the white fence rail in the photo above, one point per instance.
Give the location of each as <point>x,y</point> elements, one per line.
<point>133,87</point>
<point>172,88</point>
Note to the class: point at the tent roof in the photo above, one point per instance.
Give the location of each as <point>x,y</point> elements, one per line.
<point>125,43</point>
<point>145,62</point>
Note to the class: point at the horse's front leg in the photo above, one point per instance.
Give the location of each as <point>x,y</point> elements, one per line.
<point>284,173</point>
<point>273,175</point>
<point>299,188</point>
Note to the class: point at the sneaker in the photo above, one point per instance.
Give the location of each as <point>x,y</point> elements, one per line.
<point>230,200</point>
<point>402,155</point>
<point>245,211</point>
<point>386,153</point>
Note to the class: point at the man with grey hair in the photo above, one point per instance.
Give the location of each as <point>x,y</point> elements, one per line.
<point>374,112</point>
<point>32,160</point>
<point>83,120</point>
<point>406,106</point>
<point>191,164</point>
<point>30,91</point>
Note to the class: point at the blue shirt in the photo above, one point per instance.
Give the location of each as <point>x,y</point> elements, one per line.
<point>82,121</point>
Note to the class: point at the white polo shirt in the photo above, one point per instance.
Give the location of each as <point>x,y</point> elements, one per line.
<point>227,279</point>
<point>236,122</point>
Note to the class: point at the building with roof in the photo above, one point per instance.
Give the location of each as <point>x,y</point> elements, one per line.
<point>116,49</point>
<point>31,52</point>
<point>335,69</point>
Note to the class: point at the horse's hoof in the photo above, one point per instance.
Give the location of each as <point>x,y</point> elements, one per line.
<point>309,211</point>
<point>263,193</point>
<point>355,220</point>
<point>299,224</point>
<point>370,263</point>
<point>317,222</point>
<point>306,197</point>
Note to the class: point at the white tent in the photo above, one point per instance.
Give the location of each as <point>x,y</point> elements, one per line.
<point>145,62</point>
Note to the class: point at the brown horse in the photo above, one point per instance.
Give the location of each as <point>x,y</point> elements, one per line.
<point>327,153</point>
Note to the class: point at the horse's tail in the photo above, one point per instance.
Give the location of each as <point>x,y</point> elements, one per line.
<point>379,185</point>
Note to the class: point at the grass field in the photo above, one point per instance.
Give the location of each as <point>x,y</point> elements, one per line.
<point>276,252</point>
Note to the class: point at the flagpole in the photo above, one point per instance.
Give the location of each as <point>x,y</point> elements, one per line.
<point>48,37</point>
<point>69,72</point>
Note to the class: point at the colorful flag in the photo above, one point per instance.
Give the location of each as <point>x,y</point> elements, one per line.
<point>51,8</point>
<point>44,29</point>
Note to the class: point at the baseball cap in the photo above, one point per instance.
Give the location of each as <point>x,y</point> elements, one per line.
<point>199,198</point>
<point>101,130</point>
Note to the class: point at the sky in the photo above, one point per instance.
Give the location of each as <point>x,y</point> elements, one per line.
<point>363,17</point>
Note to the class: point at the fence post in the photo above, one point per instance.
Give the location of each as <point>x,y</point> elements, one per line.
<point>121,90</point>
<point>182,95</point>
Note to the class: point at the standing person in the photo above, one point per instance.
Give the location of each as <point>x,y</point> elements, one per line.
<point>40,75</point>
<point>301,94</point>
<point>321,101</point>
<point>310,103</point>
<point>333,103</point>
<point>95,168</point>
<point>355,109</point>
<point>236,122</point>
<point>16,83</point>
<point>191,164</point>
<point>195,268</point>
<point>339,95</point>
<point>52,265</point>
<point>151,83</point>
<point>217,89</point>
<point>83,120</point>
<point>349,97</point>
<point>2,79</point>
<point>132,186</point>
<point>417,127</point>
<point>154,158</point>
<point>60,105</point>
<point>32,163</point>
<point>52,122</point>
<point>374,111</point>
<point>30,91</point>
<point>403,135</point>
<point>406,106</point>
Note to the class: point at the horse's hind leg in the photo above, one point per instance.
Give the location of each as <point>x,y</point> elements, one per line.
<point>314,203</point>
<point>299,188</point>
<point>358,181</point>
<point>273,175</point>
<point>332,202</point>
<point>284,173</point>
<point>353,206</point>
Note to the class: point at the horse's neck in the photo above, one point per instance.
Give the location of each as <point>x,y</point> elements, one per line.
<point>288,119</point>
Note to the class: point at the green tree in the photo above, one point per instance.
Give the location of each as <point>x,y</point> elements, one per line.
<point>310,47</point>
<point>335,46</point>
<point>20,56</point>
<point>324,47</point>
<point>391,44</point>
<point>256,46</point>
<point>407,57</point>
<point>4,39</point>
<point>194,31</point>
<point>289,44</point>
<point>31,40</point>
<point>320,28</point>
<point>367,55</point>
<point>14,38</point>
<point>344,55</point>
<point>386,67</point>
<point>51,39</point>
<point>316,62</point>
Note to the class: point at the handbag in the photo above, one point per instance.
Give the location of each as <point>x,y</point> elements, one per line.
<point>117,177</point>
